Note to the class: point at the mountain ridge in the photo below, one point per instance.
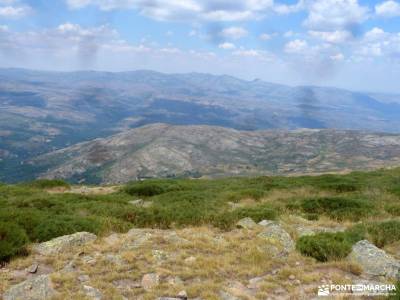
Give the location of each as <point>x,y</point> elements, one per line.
<point>162,150</point>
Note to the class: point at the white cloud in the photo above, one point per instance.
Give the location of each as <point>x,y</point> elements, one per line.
<point>265,36</point>
<point>285,9</point>
<point>388,9</point>
<point>226,46</point>
<point>337,57</point>
<point>335,37</point>
<point>234,33</point>
<point>331,15</point>
<point>296,47</point>
<point>13,10</point>
<point>189,10</point>
<point>378,43</point>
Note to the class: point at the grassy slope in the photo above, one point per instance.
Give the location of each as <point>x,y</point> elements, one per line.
<point>178,203</point>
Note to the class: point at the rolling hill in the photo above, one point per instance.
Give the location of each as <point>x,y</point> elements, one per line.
<point>162,150</point>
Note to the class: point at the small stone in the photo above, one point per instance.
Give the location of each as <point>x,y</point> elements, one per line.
<point>246,223</point>
<point>174,280</point>
<point>92,292</point>
<point>33,268</point>
<point>190,260</point>
<point>297,263</point>
<point>265,222</point>
<point>297,282</point>
<point>182,295</point>
<point>138,202</point>
<point>292,277</point>
<point>83,278</point>
<point>150,281</point>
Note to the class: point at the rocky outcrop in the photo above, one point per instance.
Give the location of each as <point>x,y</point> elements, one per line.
<point>246,223</point>
<point>374,261</point>
<point>277,235</point>
<point>37,288</point>
<point>63,243</point>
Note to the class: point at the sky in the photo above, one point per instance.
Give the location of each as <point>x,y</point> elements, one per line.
<point>353,44</point>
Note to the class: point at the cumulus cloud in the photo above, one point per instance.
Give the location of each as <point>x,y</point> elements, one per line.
<point>227,46</point>
<point>332,15</point>
<point>296,47</point>
<point>13,9</point>
<point>377,43</point>
<point>335,37</point>
<point>388,9</point>
<point>234,33</point>
<point>207,10</point>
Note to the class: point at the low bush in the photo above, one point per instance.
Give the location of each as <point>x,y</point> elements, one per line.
<point>55,226</point>
<point>384,233</point>
<point>47,183</point>
<point>149,188</point>
<point>325,246</point>
<point>13,240</point>
<point>393,209</point>
<point>339,208</point>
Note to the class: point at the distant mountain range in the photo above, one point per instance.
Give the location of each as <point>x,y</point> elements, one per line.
<point>161,150</point>
<point>41,112</point>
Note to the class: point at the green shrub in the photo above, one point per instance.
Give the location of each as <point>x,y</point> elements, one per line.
<point>312,217</point>
<point>384,233</point>
<point>13,240</point>
<point>393,209</point>
<point>56,226</point>
<point>149,188</point>
<point>339,208</point>
<point>47,183</point>
<point>325,246</point>
<point>338,183</point>
<point>257,213</point>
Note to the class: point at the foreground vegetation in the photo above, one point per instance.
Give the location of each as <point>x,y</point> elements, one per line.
<point>41,210</point>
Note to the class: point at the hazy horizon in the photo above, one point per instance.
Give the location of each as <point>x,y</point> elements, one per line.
<point>348,44</point>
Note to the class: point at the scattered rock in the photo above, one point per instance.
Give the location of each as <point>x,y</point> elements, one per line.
<point>226,296</point>
<point>92,292</point>
<point>174,238</point>
<point>83,278</point>
<point>255,283</point>
<point>374,261</point>
<point>112,239</point>
<point>246,223</point>
<point>150,281</point>
<point>138,202</point>
<point>135,238</point>
<point>33,268</point>
<point>70,267</point>
<point>89,260</point>
<point>36,288</point>
<point>190,260</point>
<point>159,255</point>
<point>292,277</point>
<point>115,259</point>
<point>182,295</point>
<point>237,289</point>
<point>276,235</point>
<point>127,284</point>
<point>175,280</point>
<point>63,243</point>
<point>266,222</point>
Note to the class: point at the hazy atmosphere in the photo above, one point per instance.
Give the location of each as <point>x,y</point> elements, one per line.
<point>343,43</point>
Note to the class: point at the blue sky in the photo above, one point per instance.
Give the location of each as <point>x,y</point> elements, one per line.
<point>345,43</point>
